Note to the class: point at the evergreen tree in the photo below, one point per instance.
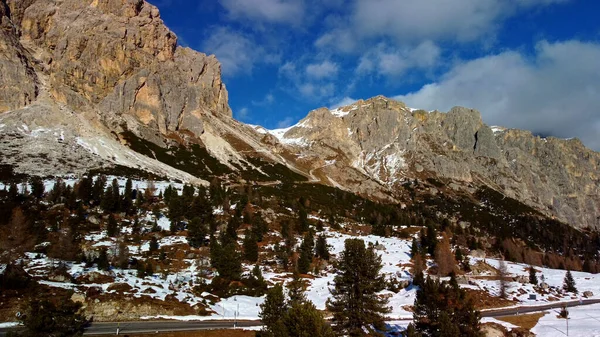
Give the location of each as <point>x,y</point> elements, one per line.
<point>102,261</point>
<point>112,227</point>
<point>296,289</point>
<point>85,189</point>
<point>257,282</point>
<point>196,232</point>
<point>229,265</point>
<point>414,248</point>
<point>355,305</point>
<point>127,200</point>
<point>215,252</point>
<point>250,247</point>
<point>444,309</point>
<point>569,283</point>
<point>532,276</point>
<point>153,245</point>
<point>231,231</point>
<point>298,318</point>
<point>322,249</point>
<point>98,189</point>
<point>272,312</point>
<point>259,226</point>
<point>302,319</point>
<point>303,224</point>
<point>306,253</point>
<point>37,187</point>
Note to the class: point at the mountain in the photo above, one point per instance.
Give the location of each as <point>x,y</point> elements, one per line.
<point>102,85</point>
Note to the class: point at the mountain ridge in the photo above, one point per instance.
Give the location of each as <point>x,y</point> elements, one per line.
<point>85,80</point>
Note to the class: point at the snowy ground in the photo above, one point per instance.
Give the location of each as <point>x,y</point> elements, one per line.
<point>140,185</point>
<point>583,322</point>
<point>395,254</point>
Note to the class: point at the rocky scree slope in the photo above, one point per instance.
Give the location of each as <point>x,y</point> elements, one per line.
<point>92,83</point>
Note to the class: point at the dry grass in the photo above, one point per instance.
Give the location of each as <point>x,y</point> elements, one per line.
<point>484,300</point>
<point>527,321</point>
<point>206,333</point>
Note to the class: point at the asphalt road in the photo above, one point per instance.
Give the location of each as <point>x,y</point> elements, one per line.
<point>110,328</point>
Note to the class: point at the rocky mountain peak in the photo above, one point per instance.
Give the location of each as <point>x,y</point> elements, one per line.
<point>389,143</point>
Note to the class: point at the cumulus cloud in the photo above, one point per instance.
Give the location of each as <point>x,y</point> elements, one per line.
<point>272,11</point>
<point>343,102</point>
<point>390,61</point>
<point>243,113</point>
<point>313,81</point>
<point>286,122</point>
<point>553,92</point>
<point>236,52</point>
<point>412,21</point>
<point>322,70</point>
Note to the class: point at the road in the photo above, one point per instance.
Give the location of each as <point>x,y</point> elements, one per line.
<point>110,328</point>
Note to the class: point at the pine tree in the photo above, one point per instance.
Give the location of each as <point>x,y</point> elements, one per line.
<point>303,319</point>
<point>102,261</point>
<point>322,249</point>
<point>303,224</point>
<point>414,248</point>
<point>355,305</point>
<point>127,201</point>
<point>259,226</point>
<point>229,265</point>
<point>296,289</point>
<point>231,231</point>
<point>250,247</point>
<point>444,309</point>
<point>196,232</point>
<point>37,187</point>
<point>98,189</point>
<point>112,227</point>
<point>272,311</point>
<point>306,253</point>
<point>532,276</point>
<point>153,245</point>
<point>569,283</point>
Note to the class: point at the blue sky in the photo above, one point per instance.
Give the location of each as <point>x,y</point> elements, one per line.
<point>531,64</point>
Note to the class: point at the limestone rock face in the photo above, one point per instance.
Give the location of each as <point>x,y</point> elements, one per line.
<point>117,57</point>
<point>384,141</point>
<point>18,80</point>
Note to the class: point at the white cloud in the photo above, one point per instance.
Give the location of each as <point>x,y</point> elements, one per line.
<point>310,81</point>
<point>322,70</point>
<point>243,113</point>
<point>555,92</point>
<point>343,102</point>
<point>272,11</point>
<point>237,52</point>
<point>286,122</point>
<point>387,61</point>
<point>412,21</point>
<point>268,100</point>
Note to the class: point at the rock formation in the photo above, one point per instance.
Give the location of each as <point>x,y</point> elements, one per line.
<point>391,144</point>
<point>78,74</point>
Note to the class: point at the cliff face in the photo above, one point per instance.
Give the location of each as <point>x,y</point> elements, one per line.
<point>117,57</point>
<point>390,143</point>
